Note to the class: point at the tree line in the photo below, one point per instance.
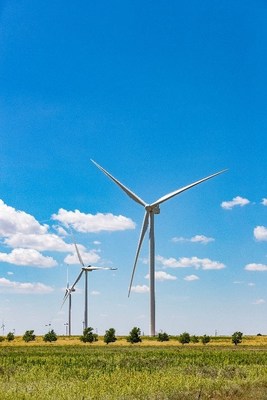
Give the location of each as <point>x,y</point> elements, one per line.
<point>89,336</point>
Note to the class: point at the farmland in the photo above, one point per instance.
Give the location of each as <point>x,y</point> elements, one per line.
<point>69,369</point>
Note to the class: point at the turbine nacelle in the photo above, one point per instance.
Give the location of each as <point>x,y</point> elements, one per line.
<point>152,209</point>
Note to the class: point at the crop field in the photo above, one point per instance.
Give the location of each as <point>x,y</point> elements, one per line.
<point>69,369</point>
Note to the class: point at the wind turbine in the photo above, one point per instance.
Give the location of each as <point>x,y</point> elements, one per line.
<point>68,295</point>
<point>150,211</point>
<point>84,270</point>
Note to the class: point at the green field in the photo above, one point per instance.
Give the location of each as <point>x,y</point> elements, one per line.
<point>69,370</point>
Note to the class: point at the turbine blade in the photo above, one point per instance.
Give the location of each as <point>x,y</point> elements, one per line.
<point>78,254</point>
<point>142,235</point>
<point>123,187</point>
<point>75,283</point>
<point>183,189</point>
<point>64,299</point>
<point>92,268</point>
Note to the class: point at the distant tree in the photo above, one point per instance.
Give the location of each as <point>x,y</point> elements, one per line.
<point>88,335</point>
<point>29,336</point>
<point>163,337</point>
<point>134,335</point>
<point>109,336</point>
<point>194,339</point>
<point>205,339</point>
<point>2,338</point>
<point>10,336</point>
<point>184,338</point>
<point>237,338</point>
<point>50,336</point>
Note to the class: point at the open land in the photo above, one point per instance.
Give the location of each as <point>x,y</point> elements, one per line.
<point>69,369</point>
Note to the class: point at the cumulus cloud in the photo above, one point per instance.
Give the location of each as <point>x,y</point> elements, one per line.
<point>259,301</point>
<point>24,287</point>
<point>43,242</point>
<point>88,257</point>
<point>13,221</point>
<point>264,202</point>
<point>60,230</point>
<point>191,278</point>
<point>260,233</point>
<point>185,262</point>
<point>140,289</point>
<point>162,276</point>
<point>28,257</point>
<point>237,201</point>
<point>255,267</point>
<point>195,239</point>
<point>93,223</point>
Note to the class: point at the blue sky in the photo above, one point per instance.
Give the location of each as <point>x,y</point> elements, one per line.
<point>160,94</point>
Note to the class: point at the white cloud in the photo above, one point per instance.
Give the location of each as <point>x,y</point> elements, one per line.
<point>10,273</point>
<point>191,278</point>
<point>259,301</point>
<point>95,293</point>
<point>195,239</point>
<point>140,289</point>
<point>61,231</point>
<point>28,257</point>
<point>88,257</point>
<point>264,202</point>
<point>185,262</point>
<point>44,242</point>
<point>93,223</point>
<point>97,243</point>
<point>256,267</point>
<point>162,276</point>
<point>24,288</point>
<point>237,201</point>
<point>251,284</point>
<point>260,233</point>
<point>13,221</point>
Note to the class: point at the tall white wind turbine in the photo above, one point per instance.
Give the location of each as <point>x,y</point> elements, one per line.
<point>150,210</point>
<point>84,270</point>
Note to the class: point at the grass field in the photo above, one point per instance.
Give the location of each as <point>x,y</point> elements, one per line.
<point>69,369</point>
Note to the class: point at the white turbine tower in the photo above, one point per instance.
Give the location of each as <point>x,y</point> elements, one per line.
<point>84,270</point>
<point>150,210</point>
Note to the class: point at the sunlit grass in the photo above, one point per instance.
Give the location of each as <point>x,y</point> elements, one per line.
<point>70,369</point>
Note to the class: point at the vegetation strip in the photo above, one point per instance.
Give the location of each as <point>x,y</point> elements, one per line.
<point>149,370</point>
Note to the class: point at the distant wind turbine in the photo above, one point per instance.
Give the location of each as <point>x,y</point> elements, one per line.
<point>84,270</point>
<point>150,210</point>
<point>68,295</point>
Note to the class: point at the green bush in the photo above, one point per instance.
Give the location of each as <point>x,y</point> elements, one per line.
<point>50,336</point>
<point>205,339</point>
<point>163,337</point>
<point>194,339</point>
<point>2,338</point>
<point>28,336</point>
<point>237,338</point>
<point>109,336</point>
<point>184,338</point>
<point>10,336</point>
<point>88,336</point>
<point>134,336</point>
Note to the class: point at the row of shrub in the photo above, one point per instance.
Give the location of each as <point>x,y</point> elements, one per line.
<point>110,336</point>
